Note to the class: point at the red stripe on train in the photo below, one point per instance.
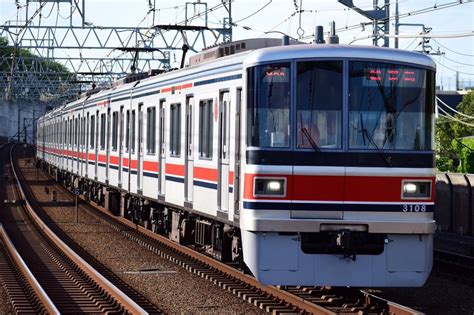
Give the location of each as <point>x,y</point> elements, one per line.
<point>175,169</point>
<point>209,174</point>
<point>339,188</point>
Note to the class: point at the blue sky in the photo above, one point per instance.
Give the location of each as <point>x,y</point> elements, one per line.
<point>275,16</point>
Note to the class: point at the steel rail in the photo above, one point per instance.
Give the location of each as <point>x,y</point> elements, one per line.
<point>34,284</point>
<point>299,302</point>
<point>393,308</point>
<point>296,301</point>
<point>96,276</point>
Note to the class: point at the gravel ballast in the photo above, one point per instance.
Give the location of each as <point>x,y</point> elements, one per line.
<point>169,286</point>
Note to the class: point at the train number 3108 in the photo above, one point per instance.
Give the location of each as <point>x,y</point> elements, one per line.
<point>414,208</point>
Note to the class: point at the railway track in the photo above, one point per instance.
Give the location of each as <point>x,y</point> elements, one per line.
<point>50,277</point>
<point>454,265</point>
<point>310,300</point>
<point>25,293</point>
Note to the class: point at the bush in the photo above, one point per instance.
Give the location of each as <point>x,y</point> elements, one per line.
<point>466,155</point>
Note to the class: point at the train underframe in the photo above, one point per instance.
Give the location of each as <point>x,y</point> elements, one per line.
<point>217,239</point>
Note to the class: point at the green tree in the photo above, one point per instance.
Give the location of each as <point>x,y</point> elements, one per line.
<point>6,52</point>
<point>454,149</point>
<point>446,158</point>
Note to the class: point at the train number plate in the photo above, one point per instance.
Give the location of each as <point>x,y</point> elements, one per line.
<point>413,208</point>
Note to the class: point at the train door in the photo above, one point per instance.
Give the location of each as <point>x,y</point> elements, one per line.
<point>162,151</point>
<point>120,150</point>
<point>76,144</point>
<point>107,145</point>
<point>96,145</point>
<point>86,143</point>
<point>236,180</point>
<point>83,145</point>
<point>140,149</point>
<point>223,149</point>
<point>189,159</point>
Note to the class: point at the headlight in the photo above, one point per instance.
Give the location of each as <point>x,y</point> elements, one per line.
<point>270,187</point>
<point>416,189</point>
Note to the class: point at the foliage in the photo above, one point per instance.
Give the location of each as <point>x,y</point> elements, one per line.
<point>446,158</point>
<point>454,151</point>
<point>466,155</point>
<point>30,58</point>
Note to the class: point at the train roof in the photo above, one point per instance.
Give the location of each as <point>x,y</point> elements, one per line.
<point>262,55</point>
<point>166,78</point>
<point>338,51</point>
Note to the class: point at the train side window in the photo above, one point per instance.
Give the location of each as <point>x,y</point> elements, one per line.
<point>127,131</point>
<point>175,128</point>
<point>102,131</point>
<point>205,129</point>
<point>151,130</point>
<point>76,132</point>
<point>114,131</point>
<point>83,131</point>
<point>66,132</point>
<point>132,147</point>
<point>92,134</point>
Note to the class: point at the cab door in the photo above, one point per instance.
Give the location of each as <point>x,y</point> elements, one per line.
<point>189,160</point>
<point>223,150</point>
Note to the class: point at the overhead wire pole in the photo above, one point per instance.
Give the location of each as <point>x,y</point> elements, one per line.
<point>397,21</point>
<point>38,76</point>
<point>15,48</point>
<point>380,17</point>
<point>228,21</point>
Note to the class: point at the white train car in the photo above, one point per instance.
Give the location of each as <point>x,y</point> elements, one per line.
<point>308,164</point>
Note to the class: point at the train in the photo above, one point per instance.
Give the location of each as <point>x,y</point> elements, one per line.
<point>303,164</point>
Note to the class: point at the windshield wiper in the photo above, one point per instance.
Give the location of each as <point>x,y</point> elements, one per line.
<point>310,139</point>
<point>381,152</point>
<point>362,126</point>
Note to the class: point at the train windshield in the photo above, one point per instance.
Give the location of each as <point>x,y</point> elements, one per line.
<point>319,104</point>
<point>268,111</point>
<point>389,107</point>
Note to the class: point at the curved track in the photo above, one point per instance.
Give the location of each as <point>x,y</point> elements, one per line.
<point>454,265</point>
<point>71,284</point>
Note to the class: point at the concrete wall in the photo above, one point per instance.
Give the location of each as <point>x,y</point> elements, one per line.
<point>28,109</point>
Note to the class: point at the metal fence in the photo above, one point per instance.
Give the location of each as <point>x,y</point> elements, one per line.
<point>455,203</point>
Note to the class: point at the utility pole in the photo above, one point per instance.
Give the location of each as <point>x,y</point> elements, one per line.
<point>397,19</point>
<point>458,86</point>
<point>380,17</point>
<point>18,131</point>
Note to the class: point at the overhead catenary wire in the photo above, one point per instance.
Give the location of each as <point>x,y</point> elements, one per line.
<point>459,62</point>
<point>451,50</point>
<point>454,118</point>
<point>454,110</point>
<point>256,12</point>
<point>443,65</point>
<point>419,35</point>
<point>433,8</point>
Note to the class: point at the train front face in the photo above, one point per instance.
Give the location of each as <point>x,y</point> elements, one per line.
<point>339,177</point>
